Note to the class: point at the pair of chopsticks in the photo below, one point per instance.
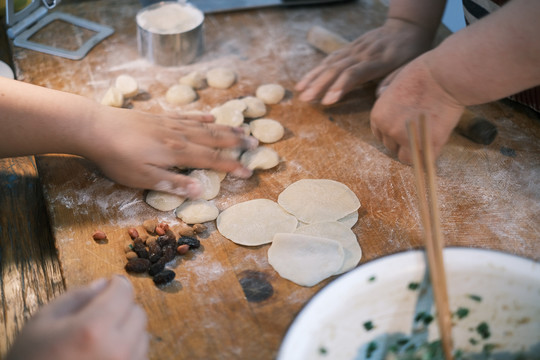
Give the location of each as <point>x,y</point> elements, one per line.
<point>423,164</point>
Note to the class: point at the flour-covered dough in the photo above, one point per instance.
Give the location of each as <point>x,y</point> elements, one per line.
<point>317,200</point>
<point>254,222</point>
<point>341,233</point>
<point>220,78</point>
<point>127,85</point>
<point>163,201</point>
<point>270,93</point>
<point>210,182</point>
<point>266,130</point>
<point>255,107</point>
<point>113,97</point>
<point>194,79</point>
<point>237,104</point>
<point>180,94</point>
<point>262,158</point>
<point>304,259</point>
<point>197,211</point>
<point>227,115</point>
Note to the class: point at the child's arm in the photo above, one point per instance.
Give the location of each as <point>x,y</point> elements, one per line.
<point>408,32</point>
<point>132,148</point>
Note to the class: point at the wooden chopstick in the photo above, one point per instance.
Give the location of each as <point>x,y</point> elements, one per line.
<point>423,161</point>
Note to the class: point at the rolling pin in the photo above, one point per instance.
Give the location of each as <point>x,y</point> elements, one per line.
<point>474,128</point>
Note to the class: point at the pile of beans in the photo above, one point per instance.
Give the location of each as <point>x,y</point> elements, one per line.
<point>149,252</point>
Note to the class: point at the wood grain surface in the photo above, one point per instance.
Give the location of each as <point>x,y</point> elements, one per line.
<point>489,195</point>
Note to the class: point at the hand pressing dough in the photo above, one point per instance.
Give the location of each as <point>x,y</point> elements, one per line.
<point>266,130</point>
<point>127,85</point>
<point>227,115</point>
<point>197,211</point>
<point>210,182</point>
<point>194,79</point>
<point>254,222</point>
<point>180,94</point>
<point>236,104</point>
<point>304,259</point>
<point>270,93</point>
<point>318,200</point>
<point>163,201</point>
<point>220,78</point>
<point>338,232</point>
<point>262,158</point>
<point>113,97</point>
<point>255,107</point>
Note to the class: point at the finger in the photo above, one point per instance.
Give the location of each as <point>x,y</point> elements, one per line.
<point>203,117</point>
<point>387,81</point>
<point>404,155</point>
<point>212,135</point>
<point>309,77</point>
<point>319,85</point>
<point>376,132</point>
<point>133,324</point>
<point>391,145</point>
<point>74,300</point>
<point>141,348</point>
<point>112,303</point>
<point>350,79</point>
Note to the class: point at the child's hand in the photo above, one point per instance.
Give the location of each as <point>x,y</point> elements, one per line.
<point>100,321</point>
<point>137,149</point>
<point>372,56</point>
<point>411,93</point>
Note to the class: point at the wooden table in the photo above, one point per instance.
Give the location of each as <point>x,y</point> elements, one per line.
<point>490,195</point>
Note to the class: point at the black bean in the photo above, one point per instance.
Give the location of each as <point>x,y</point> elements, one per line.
<point>137,265</point>
<point>164,277</point>
<point>156,268</point>
<point>192,242</point>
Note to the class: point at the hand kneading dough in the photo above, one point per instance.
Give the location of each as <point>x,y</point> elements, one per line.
<point>260,158</point>
<point>266,130</point>
<point>338,232</point>
<point>210,182</point>
<point>127,85</point>
<point>220,78</point>
<point>317,200</point>
<point>194,79</point>
<point>113,97</point>
<point>163,201</point>
<point>270,93</point>
<point>254,222</point>
<point>197,211</point>
<point>304,259</point>
<point>255,107</point>
<point>226,115</point>
<point>180,94</point>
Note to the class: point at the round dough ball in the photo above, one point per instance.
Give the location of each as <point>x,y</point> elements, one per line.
<point>210,182</point>
<point>220,78</point>
<point>236,104</point>
<point>303,259</point>
<point>194,79</point>
<point>318,200</point>
<point>180,94</point>
<point>341,233</point>
<point>270,93</point>
<point>113,97</point>
<point>260,158</point>
<point>255,107</point>
<point>127,85</point>
<point>197,211</point>
<point>266,130</point>
<point>226,115</point>
<point>163,201</point>
<point>254,222</point>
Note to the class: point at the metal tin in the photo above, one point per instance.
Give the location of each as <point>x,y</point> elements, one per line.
<point>170,33</point>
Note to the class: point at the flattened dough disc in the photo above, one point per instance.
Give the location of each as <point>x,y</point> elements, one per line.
<point>254,222</point>
<point>304,259</point>
<point>318,200</point>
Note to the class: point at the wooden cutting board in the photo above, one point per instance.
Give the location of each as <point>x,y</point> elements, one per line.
<point>490,195</point>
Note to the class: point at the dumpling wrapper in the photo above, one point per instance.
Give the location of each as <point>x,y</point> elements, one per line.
<point>341,233</point>
<point>197,211</point>
<point>254,222</point>
<point>350,220</point>
<point>318,200</point>
<point>163,201</point>
<point>303,259</point>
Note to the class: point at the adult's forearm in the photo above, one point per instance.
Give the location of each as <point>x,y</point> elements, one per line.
<point>426,14</point>
<point>495,57</point>
<point>38,120</point>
